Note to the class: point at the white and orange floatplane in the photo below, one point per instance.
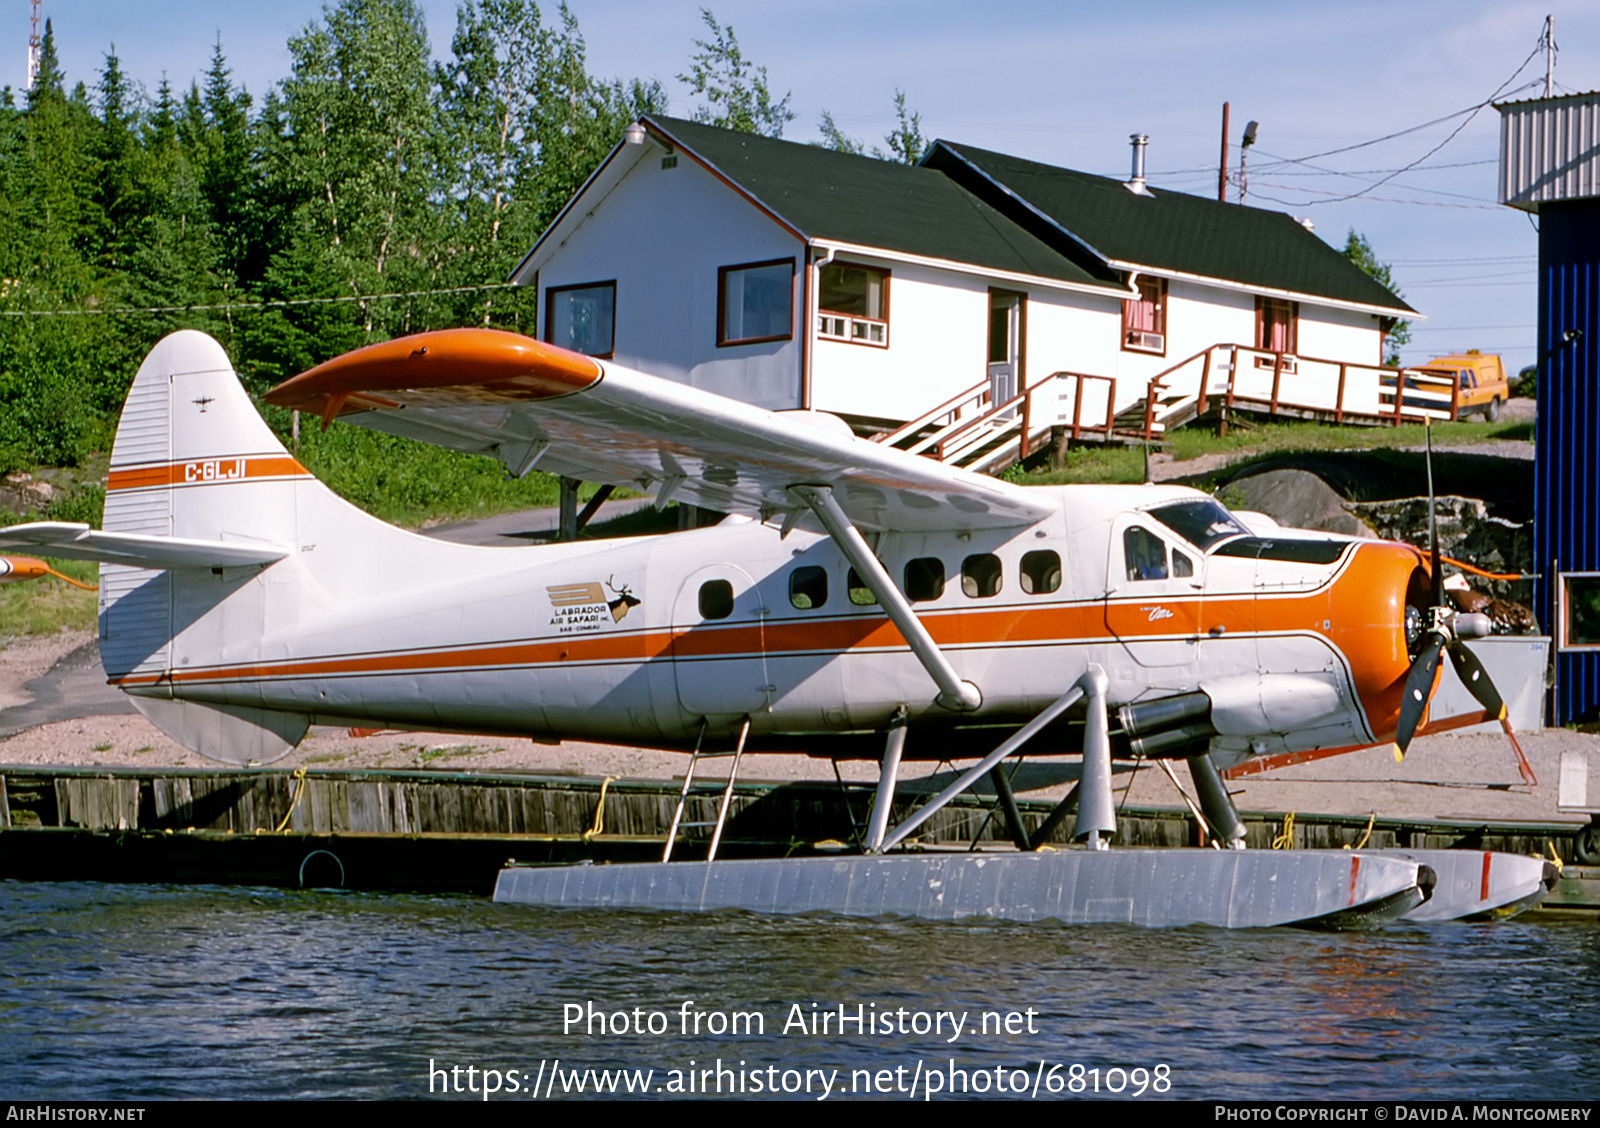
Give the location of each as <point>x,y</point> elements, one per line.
<point>858,601</point>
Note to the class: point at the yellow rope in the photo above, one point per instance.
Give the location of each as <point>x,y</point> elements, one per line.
<point>599,811</point>
<point>1285,840</point>
<point>1365,834</point>
<point>1555,857</point>
<point>299,777</point>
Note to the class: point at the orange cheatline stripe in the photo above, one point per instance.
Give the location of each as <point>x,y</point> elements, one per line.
<point>204,472</point>
<point>1066,625</point>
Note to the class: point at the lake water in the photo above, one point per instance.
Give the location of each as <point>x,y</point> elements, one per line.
<point>112,992</point>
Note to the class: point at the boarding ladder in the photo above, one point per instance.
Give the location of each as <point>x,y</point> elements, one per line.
<point>702,753</point>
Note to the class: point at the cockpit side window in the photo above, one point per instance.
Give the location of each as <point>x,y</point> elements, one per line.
<point>1145,553</point>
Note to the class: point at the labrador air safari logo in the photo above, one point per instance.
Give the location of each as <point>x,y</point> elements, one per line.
<point>578,608</point>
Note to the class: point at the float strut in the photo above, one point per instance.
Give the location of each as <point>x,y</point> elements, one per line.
<point>954,693</point>
<point>1017,739</point>
<point>890,771</point>
<point>1216,803</point>
<point>1064,810</point>
<point>1008,804</point>
<point>1096,816</point>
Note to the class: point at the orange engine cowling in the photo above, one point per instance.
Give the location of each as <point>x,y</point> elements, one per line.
<point>1368,605</point>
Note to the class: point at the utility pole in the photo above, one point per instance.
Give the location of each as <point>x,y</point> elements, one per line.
<point>1244,146</point>
<point>1222,163</point>
<point>33,41</point>
<point>1549,54</point>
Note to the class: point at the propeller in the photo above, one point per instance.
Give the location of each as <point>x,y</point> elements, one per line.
<point>1443,629</point>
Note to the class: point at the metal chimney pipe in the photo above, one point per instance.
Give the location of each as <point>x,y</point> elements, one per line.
<point>1136,180</point>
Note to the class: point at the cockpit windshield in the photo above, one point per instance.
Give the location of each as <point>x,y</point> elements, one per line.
<point>1202,522</point>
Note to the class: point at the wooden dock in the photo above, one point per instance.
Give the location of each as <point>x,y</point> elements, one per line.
<point>453,831</point>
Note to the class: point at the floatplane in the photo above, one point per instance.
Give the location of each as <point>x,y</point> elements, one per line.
<point>858,600</point>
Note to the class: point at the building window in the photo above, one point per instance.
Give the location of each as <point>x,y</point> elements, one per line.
<point>582,318</point>
<point>755,303</point>
<point>853,304</point>
<point>1144,319</point>
<point>1276,323</point>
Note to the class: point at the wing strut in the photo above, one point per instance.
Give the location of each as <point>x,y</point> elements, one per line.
<point>954,693</point>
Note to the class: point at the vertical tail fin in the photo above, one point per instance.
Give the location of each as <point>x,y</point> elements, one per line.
<point>193,458</point>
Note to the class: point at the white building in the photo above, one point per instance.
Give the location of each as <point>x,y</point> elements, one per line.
<point>792,276</point>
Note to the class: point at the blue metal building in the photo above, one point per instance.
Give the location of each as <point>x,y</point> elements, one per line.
<point>1550,165</point>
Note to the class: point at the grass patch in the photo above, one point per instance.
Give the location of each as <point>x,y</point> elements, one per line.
<point>48,605</point>
<point>1097,464</point>
<point>453,752</point>
<point>409,483</point>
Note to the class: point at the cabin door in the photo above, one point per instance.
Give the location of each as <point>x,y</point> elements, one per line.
<point>1153,601</point>
<point>719,643</point>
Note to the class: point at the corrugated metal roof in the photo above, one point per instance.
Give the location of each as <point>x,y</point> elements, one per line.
<point>1549,150</point>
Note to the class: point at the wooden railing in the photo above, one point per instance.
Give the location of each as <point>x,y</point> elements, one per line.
<point>970,429</point>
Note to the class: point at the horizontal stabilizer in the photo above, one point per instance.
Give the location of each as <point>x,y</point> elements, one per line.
<point>72,541</point>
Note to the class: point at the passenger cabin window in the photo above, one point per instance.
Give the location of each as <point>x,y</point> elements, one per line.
<point>1040,573</point>
<point>1146,554</point>
<point>1181,564</point>
<point>582,318</point>
<point>755,303</point>
<point>980,576</point>
<point>808,587</point>
<point>924,579</point>
<point>860,594</point>
<point>716,599</point>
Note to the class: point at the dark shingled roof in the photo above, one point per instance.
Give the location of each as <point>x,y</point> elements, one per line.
<point>1165,231</point>
<point>835,196</point>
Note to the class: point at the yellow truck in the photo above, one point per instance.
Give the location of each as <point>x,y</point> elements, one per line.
<point>1481,378</point>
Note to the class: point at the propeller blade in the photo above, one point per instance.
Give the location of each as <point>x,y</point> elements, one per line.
<point>1419,688</point>
<point>1476,679</point>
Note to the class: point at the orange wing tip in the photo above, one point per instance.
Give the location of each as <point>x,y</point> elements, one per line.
<point>21,569</point>
<point>504,365</point>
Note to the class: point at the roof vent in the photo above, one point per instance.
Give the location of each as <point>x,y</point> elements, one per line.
<point>1136,181</point>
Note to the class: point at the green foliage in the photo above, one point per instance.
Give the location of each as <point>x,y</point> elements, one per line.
<point>1397,332</point>
<point>906,142</point>
<point>409,483</point>
<point>736,92</point>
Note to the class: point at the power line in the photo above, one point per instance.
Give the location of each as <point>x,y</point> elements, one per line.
<point>273,304</point>
<point>1471,113</point>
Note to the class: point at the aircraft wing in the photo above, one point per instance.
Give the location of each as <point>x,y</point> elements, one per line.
<point>529,403</point>
<point>67,540</point>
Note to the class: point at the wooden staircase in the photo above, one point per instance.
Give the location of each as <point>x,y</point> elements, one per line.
<point>971,431</point>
